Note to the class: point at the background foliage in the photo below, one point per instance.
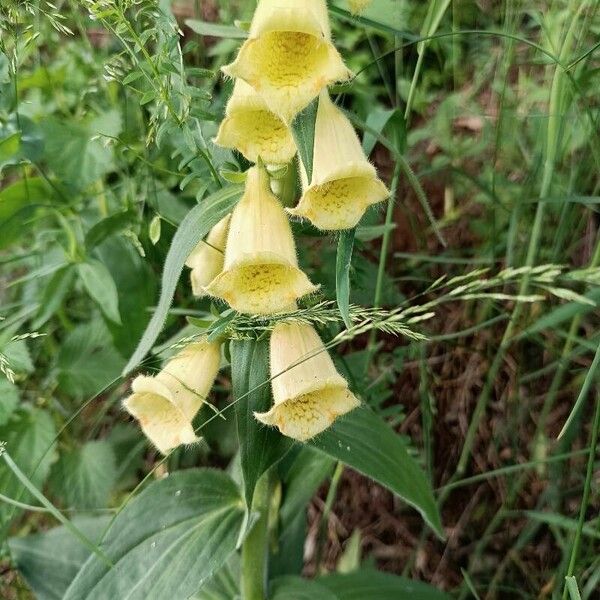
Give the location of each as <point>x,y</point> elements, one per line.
<point>483,117</point>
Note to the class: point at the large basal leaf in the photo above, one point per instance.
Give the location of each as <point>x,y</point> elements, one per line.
<point>364,442</point>
<point>369,583</point>
<point>83,477</point>
<point>167,541</point>
<point>196,225</point>
<point>49,561</point>
<point>290,587</point>
<point>260,446</point>
<point>29,435</point>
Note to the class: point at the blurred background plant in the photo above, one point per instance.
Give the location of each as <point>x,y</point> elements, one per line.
<point>487,130</point>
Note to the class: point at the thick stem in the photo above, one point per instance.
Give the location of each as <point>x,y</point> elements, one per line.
<point>255,546</point>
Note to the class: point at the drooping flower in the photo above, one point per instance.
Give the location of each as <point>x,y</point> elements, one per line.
<point>252,129</point>
<point>206,260</point>
<point>289,57</point>
<point>358,6</point>
<point>261,273</point>
<point>344,183</point>
<point>308,393</point>
<point>165,404</point>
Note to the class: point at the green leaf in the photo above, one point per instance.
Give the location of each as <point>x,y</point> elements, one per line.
<point>342,273</point>
<point>9,398</point>
<point>303,130</point>
<point>9,147</point>
<point>18,356</point>
<point>290,587</point>
<point>378,121</point>
<point>260,446</point>
<point>369,583</point>
<point>366,443</point>
<point>87,361</point>
<point>196,225</point>
<point>112,225</point>
<point>29,437</point>
<point>83,477</point>
<point>101,287</point>
<point>224,584</point>
<point>215,29</point>
<point>49,561</point>
<point>54,293</point>
<point>166,542</point>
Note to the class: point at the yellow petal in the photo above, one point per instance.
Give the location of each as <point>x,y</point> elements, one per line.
<point>261,274</point>
<point>252,129</point>
<point>289,57</point>
<point>344,183</point>
<point>206,261</point>
<point>308,392</point>
<point>166,404</point>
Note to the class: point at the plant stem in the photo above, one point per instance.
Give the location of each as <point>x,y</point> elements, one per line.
<point>329,500</point>
<point>255,546</point>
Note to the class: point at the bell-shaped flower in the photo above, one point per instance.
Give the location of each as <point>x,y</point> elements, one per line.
<point>252,129</point>
<point>206,260</point>
<point>165,404</point>
<point>261,273</point>
<point>289,57</point>
<point>308,392</point>
<point>344,183</point>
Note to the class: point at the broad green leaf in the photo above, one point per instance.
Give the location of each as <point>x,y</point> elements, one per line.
<point>29,437</point>
<point>215,29</point>
<point>112,225</point>
<point>290,587</point>
<point>9,398</point>
<point>87,361</point>
<point>366,443</point>
<point>17,354</point>
<point>196,225</point>
<point>224,584</point>
<point>303,130</point>
<point>9,147</point>
<point>83,477</point>
<point>167,541</point>
<point>369,583</point>
<point>342,273</point>
<point>49,561</point>
<point>380,119</point>
<point>260,446</point>
<point>53,295</point>
<point>100,285</point>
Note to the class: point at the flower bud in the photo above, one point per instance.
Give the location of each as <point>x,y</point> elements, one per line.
<point>289,57</point>
<point>344,183</point>
<point>206,260</point>
<point>252,129</point>
<point>308,393</point>
<point>261,274</point>
<point>165,404</point>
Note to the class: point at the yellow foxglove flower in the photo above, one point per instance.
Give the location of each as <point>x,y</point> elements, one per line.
<point>357,6</point>
<point>344,183</point>
<point>309,396</point>
<point>289,57</point>
<point>165,404</point>
<point>206,261</point>
<point>250,127</point>
<point>261,274</point>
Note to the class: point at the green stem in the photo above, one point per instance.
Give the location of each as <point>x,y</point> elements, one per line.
<point>255,546</point>
<point>331,494</point>
<point>588,481</point>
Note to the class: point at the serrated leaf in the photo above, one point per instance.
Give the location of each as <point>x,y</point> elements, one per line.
<point>166,542</point>
<point>49,561</point>
<point>363,441</point>
<point>9,399</point>
<point>195,226</point>
<point>101,287</point>
<point>260,446</point>
<point>342,273</point>
<point>303,130</point>
<point>83,477</point>
<point>369,583</point>
<point>29,437</point>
